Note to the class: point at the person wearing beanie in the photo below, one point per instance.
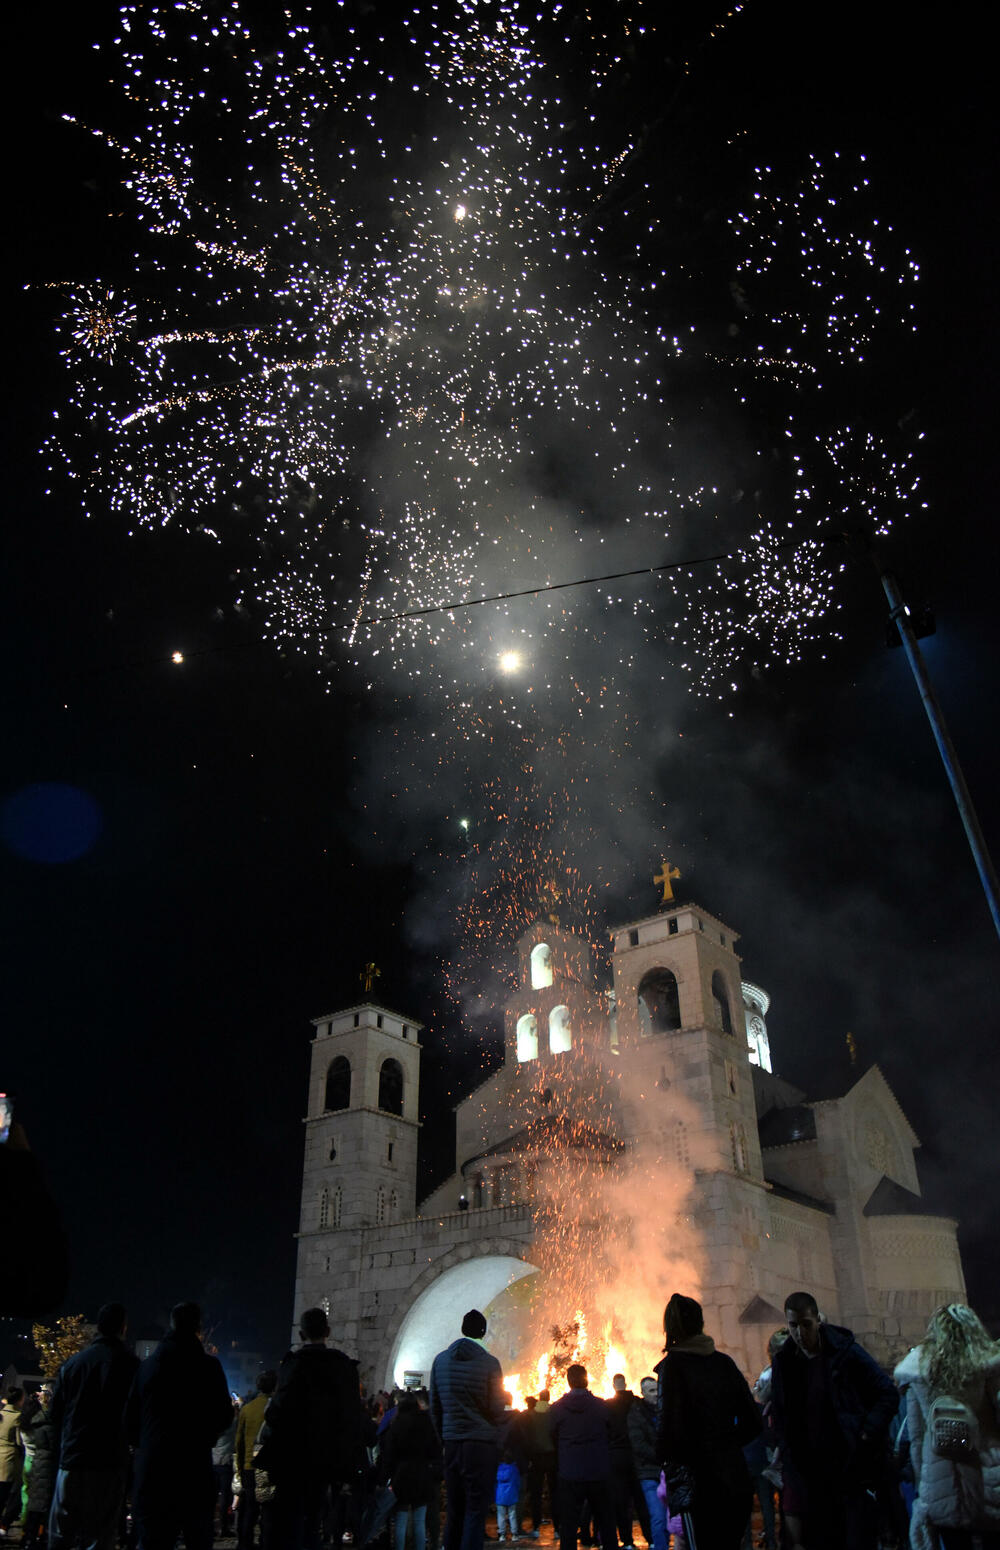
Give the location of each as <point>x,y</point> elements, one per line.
<point>707,1415</point>
<point>467,1408</point>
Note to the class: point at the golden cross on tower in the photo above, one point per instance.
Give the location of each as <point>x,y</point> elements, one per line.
<point>369,974</point>
<point>666,877</point>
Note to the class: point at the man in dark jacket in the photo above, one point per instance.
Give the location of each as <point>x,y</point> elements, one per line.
<point>179,1405</point>
<point>643,1430</point>
<point>831,1406</point>
<point>625,1487</point>
<point>87,1420</point>
<point>467,1408</point>
<point>312,1433</point>
<point>579,1425</point>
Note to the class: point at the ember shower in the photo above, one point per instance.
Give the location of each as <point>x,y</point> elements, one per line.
<point>371,322</point>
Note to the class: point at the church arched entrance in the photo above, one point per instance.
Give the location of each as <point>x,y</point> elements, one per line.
<point>435,1316</point>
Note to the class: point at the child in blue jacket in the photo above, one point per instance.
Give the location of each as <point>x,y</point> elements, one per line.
<point>508,1496</point>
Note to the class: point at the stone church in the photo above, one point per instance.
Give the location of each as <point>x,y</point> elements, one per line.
<point>784,1191</point>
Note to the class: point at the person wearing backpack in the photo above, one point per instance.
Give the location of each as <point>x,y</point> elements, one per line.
<point>952,1385</point>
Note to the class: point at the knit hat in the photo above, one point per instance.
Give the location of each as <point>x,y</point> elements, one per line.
<point>682,1318</point>
<point>474,1324</point>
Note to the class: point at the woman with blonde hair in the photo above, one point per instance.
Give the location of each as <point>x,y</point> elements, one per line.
<point>952,1383</point>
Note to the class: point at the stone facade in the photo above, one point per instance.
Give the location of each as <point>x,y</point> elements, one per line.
<point>784,1193</point>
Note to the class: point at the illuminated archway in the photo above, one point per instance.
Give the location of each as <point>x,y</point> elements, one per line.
<point>434,1318</point>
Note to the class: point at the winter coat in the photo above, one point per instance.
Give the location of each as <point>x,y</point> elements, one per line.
<point>225,1447</point>
<point>642,1430</point>
<point>411,1458</point>
<point>39,1440</point>
<point>707,1416</point>
<point>536,1435</point>
<point>248,1424</point>
<point>862,1396</point>
<point>508,1485</point>
<point>955,1493</point>
<point>579,1423</point>
<point>10,1442</point>
<point>466,1389</point>
<point>618,1413</point>
<point>87,1409</point>
<point>178,1406</point>
<point>314,1419</point>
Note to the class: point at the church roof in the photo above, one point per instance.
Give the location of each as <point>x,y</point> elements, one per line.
<point>786,1192</point>
<point>759,1311</point>
<point>780,1126</point>
<point>677,907</point>
<point>891,1199</point>
<point>548,1134</point>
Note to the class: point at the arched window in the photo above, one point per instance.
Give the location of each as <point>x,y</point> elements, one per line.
<point>659,1003</point>
<point>393,1206</point>
<point>324,1208</point>
<point>380,1208</point>
<point>527,1037</point>
<point>738,1143</point>
<point>720,996</point>
<point>560,1036</point>
<point>390,1087</point>
<point>541,966</point>
<point>682,1151</point>
<point>338,1202</point>
<point>338,1084</point>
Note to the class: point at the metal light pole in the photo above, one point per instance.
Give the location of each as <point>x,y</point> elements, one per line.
<point>899,614</point>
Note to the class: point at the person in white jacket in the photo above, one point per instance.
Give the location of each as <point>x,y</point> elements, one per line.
<point>952,1383</point>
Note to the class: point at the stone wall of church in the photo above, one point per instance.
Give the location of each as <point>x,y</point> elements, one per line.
<point>916,1268</point>
<point>757,1247</point>
<point>367,1278</point>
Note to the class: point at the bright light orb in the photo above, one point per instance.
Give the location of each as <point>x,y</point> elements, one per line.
<point>178,657</point>
<point>463,823</point>
<point>460,212</point>
<point>510,661</point>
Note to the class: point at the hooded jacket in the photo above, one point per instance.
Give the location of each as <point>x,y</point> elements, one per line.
<point>410,1458</point>
<point>863,1399</point>
<point>579,1423</point>
<point>36,1430</point>
<point>955,1493</point>
<point>707,1414</point>
<point>466,1391</point>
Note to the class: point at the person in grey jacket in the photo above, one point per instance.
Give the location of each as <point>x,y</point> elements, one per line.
<point>467,1408</point>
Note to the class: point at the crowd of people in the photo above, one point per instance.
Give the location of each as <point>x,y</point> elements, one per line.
<point>840,1454</point>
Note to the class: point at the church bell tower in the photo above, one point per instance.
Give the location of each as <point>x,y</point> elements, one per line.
<point>362,1125</point>
<point>682,1032</point>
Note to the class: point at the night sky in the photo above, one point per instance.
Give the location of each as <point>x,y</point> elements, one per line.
<point>250,853</point>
